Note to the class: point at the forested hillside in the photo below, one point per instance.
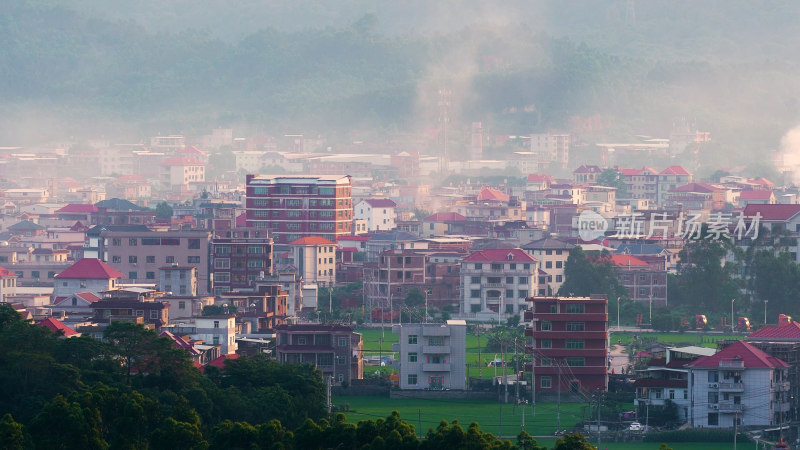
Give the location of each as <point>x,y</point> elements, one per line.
<point>87,67</point>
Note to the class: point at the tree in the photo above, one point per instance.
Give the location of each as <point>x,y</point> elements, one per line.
<point>706,280</point>
<point>163,211</point>
<point>11,433</point>
<point>415,297</point>
<point>65,425</point>
<point>584,276</point>
<point>612,178</point>
<point>526,442</point>
<point>175,435</point>
<point>573,441</point>
<point>218,310</point>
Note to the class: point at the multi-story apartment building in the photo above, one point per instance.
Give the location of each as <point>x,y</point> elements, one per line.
<point>569,343</point>
<point>550,149</point>
<point>432,355</point>
<point>239,256</point>
<point>586,174</point>
<point>379,213</point>
<point>178,280</point>
<point>139,254</point>
<point>552,254</point>
<point>296,206</point>
<point>644,282</point>
<point>497,281</point>
<point>179,172</point>
<point>739,384</point>
<point>670,178</point>
<point>315,259</point>
<point>641,183</point>
<point>335,349</point>
<point>108,310</point>
<point>212,330</point>
<point>8,284</point>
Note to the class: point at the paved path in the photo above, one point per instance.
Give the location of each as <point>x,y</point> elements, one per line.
<point>618,358</point>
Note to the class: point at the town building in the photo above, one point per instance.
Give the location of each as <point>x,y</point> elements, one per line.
<point>552,254</point>
<point>315,259</point>
<point>297,206</point>
<point>431,355</point>
<point>496,282</point>
<point>670,178</point>
<point>644,282</point>
<point>239,256</point>
<point>586,174</point>
<point>739,384</point>
<point>379,213</point>
<point>86,275</point>
<point>178,280</point>
<point>782,341</point>
<point>8,284</point>
<point>569,343</point>
<point>550,149</point>
<point>335,350</point>
<point>108,310</point>
<point>641,183</point>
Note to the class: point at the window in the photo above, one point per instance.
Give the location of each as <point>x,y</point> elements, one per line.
<point>547,325</point>
<point>526,266</point>
<point>35,274</point>
<point>509,280</point>
<point>559,264</point>
<point>116,259</point>
<point>150,259</point>
<point>545,382</point>
<point>713,376</point>
<point>132,259</point>
<point>713,419</point>
<point>151,241</point>
<point>642,291</point>
<point>475,308</point>
<point>576,362</point>
<point>575,344</point>
<point>140,313</point>
<point>341,361</point>
<point>132,242</point>
<point>412,379</point>
<point>222,277</point>
<point>547,343</point>
<point>475,293</point>
<point>412,357</point>
<point>222,263</point>
<point>436,340</point>
<point>576,326</point>
<point>150,275</point>
<point>216,340</point>
<point>522,280</point>
<point>131,275</point>
<point>154,314</point>
<point>343,340</point>
<point>194,244</point>
<point>51,274</point>
<point>475,280</point>
<point>509,309</point>
<point>301,340</point>
<point>576,308</point>
<point>181,304</point>
<point>478,266</point>
<point>222,249</point>
<point>412,339</point>
<point>559,278</point>
<point>255,263</point>
<point>170,259</point>
<point>713,397</point>
<point>546,361</point>
<point>642,277</point>
<point>193,260</point>
<point>216,324</point>
<point>523,293</point>
<point>116,242</point>
<point>672,394</point>
<point>509,293</point>
<point>548,264</point>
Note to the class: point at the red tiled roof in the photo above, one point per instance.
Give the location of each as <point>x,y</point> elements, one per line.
<point>311,240</point>
<point>626,260</point>
<point>6,273</point>
<point>492,194</point>
<point>772,212</point>
<point>788,331</point>
<point>78,208</point>
<point>540,177</point>
<point>654,382</point>
<point>55,326</point>
<point>756,195</point>
<point>90,269</point>
<point>763,182</point>
<point>674,170</point>
<point>381,202</point>
<point>740,351</point>
<point>190,149</point>
<point>220,362</point>
<point>181,161</point>
<point>445,217</point>
<point>86,296</point>
<point>500,254</point>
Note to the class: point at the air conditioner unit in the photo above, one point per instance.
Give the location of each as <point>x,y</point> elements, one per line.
<point>713,385</point>
<point>714,406</point>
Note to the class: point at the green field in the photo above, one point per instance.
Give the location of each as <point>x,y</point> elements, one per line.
<point>702,340</point>
<point>487,413</point>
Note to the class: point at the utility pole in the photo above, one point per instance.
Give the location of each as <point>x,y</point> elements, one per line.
<point>516,375</point>
<point>328,394</point>
<point>419,421</point>
<point>480,362</point>
<point>599,400</point>
<point>505,374</point>
<point>558,405</point>
<point>735,419</point>
<point>619,306</point>
<point>500,434</point>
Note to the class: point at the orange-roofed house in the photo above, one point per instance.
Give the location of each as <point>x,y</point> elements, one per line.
<point>490,204</point>
<point>315,259</point>
<point>644,282</point>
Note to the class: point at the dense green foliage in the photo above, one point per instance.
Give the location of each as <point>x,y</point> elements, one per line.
<point>586,275</point>
<point>135,389</point>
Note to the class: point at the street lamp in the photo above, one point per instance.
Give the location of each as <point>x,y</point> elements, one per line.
<point>732,323</point>
<point>765,312</point>
<point>619,306</point>
<point>651,310</point>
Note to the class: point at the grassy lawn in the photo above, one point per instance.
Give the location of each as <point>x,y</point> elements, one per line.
<point>487,414</point>
<point>683,339</point>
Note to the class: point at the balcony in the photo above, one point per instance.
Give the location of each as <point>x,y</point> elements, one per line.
<point>436,349</point>
<point>600,334</point>
<point>730,407</point>
<point>430,367</point>
<point>436,331</point>
<point>731,386</point>
<point>493,285</point>
<point>780,386</point>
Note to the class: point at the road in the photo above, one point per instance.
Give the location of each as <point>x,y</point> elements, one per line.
<point>618,358</point>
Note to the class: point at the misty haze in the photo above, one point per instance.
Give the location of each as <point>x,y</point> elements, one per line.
<point>310,224</point>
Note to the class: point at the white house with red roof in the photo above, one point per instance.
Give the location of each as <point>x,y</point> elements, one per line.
<point>439,224</point>
<point>784,218</point>
<point>738,383</point>
<point>641,183</point>
<point>315,259</point>
<point>79,303</point>
<point>757,197</point>
<point>179,171</point>
<point>86,275</point>
<point>379,213</point>
<point>538,182</point>
<point>496,282</point>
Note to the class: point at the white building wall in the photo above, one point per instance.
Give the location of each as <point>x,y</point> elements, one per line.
<point>424,363</point>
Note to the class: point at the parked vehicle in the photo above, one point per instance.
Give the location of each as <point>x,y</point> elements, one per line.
<point>635,426</point>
